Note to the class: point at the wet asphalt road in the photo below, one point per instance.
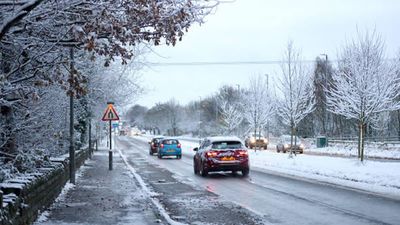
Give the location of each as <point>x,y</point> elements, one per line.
<point>277,199</point>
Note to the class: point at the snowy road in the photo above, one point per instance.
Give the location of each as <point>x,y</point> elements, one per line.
<point>280,199</point>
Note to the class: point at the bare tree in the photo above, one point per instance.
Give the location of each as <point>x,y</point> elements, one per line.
<point>296,91</point>
<point>257,103</point>
<point>364,85</point>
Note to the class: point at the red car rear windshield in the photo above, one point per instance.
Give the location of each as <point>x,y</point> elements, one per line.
<point>226,145</point>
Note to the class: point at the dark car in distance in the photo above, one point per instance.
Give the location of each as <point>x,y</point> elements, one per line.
<point>221,154</point>
<point>154,144</point>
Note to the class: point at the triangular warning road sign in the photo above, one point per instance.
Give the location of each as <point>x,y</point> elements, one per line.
<point>110,114</point>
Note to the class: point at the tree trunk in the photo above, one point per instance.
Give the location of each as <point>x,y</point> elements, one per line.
<point>363,126</point>
<point>6,114</point>
<point>398,124</point>
<point>255,136</point>
<point>291,138</point>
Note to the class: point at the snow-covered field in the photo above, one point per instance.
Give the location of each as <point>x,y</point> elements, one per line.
<point>374,176</point>
<point>371,151</point>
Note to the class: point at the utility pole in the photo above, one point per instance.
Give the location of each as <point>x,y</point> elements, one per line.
<point>267,76</point>
<point>325,87</point>
<point>71,120</point>
<point>90,134</point>
<point>239,128</point>
<point>200,117</point>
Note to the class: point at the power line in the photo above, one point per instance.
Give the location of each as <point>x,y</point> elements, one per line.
<point>229,63</point>
<point>237,63</point>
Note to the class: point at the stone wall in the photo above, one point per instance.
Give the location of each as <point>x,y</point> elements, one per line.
<point>22,198</point>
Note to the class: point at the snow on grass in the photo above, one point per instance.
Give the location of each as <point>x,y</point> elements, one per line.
<point>373,151</point>
<point>43,217</point>
<point>372,176</point>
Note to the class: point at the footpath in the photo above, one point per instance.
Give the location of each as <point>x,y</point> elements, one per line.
<point>101,196</point>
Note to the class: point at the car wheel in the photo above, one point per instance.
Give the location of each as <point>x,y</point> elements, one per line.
<point>179,156</point>
<point>195,167</point>
<point>203,171</point>
<point>245,172</point>
<point>159,156</point>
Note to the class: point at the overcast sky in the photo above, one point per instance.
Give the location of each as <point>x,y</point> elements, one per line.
<point>258,30</point>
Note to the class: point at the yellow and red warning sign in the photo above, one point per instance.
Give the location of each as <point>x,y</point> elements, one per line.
<point>110,114</point>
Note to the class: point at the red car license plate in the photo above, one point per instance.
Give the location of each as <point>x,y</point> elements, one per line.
<point>228,158</point>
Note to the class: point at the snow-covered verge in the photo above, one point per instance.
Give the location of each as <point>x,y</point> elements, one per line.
<point>23,197</point>
<point>374,176</point>
<point>377,151</point>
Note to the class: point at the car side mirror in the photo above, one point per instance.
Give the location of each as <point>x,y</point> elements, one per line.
<point>196,149</point>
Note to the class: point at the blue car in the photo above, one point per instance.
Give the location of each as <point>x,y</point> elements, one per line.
<point>169,147</point>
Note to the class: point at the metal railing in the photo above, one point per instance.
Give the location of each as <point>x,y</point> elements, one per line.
<point>367,140</point>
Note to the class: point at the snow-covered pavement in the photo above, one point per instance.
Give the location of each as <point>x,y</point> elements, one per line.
<point>102,197</point>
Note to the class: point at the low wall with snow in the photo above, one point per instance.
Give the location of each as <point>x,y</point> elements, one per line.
<point>22,198</point>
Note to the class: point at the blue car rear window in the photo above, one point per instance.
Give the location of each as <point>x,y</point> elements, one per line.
<point>170,142</point>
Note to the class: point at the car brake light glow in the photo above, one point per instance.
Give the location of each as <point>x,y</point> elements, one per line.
<point>212,154</point>
<point>179,145</point>
<point>242,152</point>
<point>161,145</point>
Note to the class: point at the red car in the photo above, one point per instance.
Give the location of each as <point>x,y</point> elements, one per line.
<point>221,154</point>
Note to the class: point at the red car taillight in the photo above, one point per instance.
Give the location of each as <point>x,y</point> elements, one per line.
<point>242,153</point>
<point>179,145</point>
<point>211,154</point>
<point>161,145</point>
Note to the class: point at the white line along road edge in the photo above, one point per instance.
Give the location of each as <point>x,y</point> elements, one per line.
<point>149,193</point>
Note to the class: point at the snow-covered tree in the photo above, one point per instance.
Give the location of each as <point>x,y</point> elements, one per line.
<point>365,83</point>
<point>35,41</point>
<point>231,115</point>
<point>296,94</point>
<point>257,102</point>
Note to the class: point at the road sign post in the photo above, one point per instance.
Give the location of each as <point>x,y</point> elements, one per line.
<point>109,115</point>
<point>110,153</point>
